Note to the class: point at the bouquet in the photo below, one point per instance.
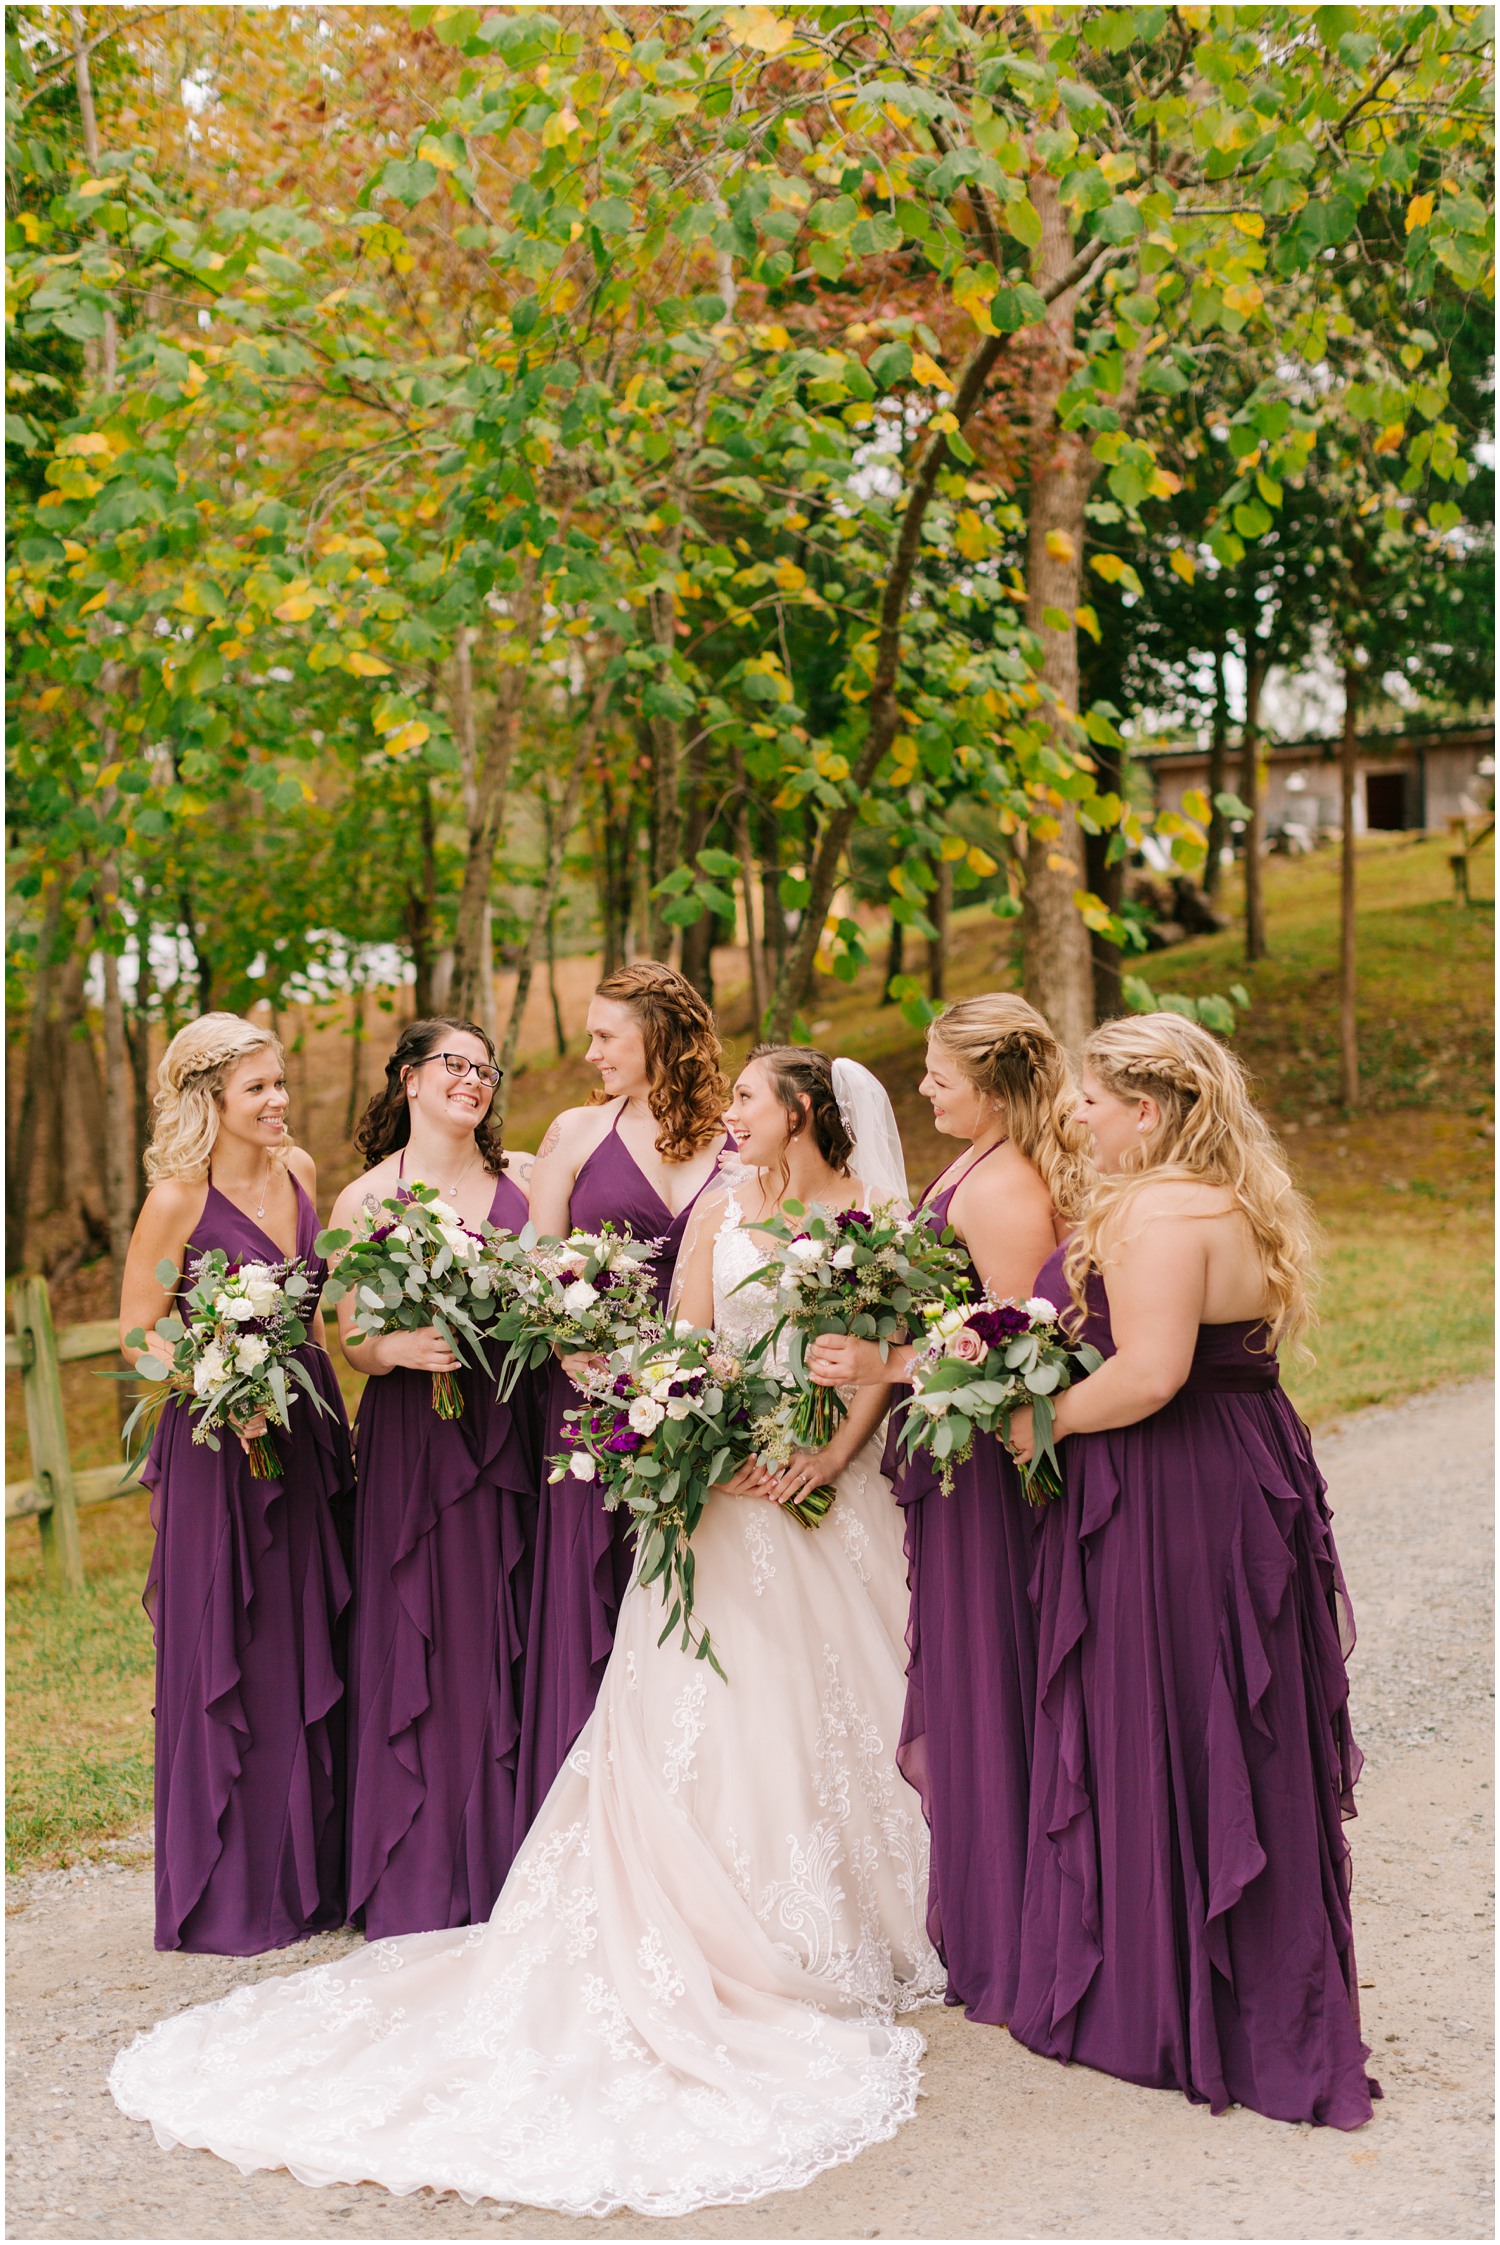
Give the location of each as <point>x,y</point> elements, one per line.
<point>876,1276</point>
<point>978,1367</point>
<point>234,1335</point>
<point>414,1264</point>
<point>588,1294</point>
<point>666,1422</point>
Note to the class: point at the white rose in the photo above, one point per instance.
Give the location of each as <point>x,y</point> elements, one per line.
<point>790,1282</point>
<point>250,1352</point>
<point>843,1257</point>
<point>934,1405</point>
<point>262,1288</point>
<point>952,1321</point>
<point>581,1465</point>
<point>579,1296</point>
<point>678,1407</point>
<point>806,1250</point>
<point>208,1371</point>
<point>401,1233</point>
<point>235,1307</point>
<point>645,1414</point>
<point>1040,1312</point>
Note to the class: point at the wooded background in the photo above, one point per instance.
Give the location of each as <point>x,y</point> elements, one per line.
<point>486,485</point>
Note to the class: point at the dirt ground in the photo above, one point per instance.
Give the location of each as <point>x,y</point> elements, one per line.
<point>1004,2145</point>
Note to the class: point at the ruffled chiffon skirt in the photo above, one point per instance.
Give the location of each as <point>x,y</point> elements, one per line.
<point>1187,1918</point>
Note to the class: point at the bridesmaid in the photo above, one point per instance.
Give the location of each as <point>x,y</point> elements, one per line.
<point>247,1587</point>
<point>997,1079</point>
<point>1187,1921</point>
<point>636,1157</point>
<point>445,1524</point>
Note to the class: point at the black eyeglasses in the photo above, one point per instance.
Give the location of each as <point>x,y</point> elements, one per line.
<point>457,1065</point>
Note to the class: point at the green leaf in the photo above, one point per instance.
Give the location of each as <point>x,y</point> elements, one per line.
<point>1017,307</point>
<point>409,182</point>
<point>1119,222</point>
<point>1230,806</point>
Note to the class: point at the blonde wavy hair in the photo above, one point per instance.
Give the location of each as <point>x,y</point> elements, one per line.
<point>189,1082</point>
<point>1208,1133</point>
<point>1006,1049</point>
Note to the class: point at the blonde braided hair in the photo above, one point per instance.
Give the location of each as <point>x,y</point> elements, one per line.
<point>189,1082</point>
<point>1208,1132</point>
<point>1007,1050</point>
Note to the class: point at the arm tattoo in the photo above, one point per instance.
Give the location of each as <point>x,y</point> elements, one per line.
<point>520,1165</point>
<point>549,1143</point>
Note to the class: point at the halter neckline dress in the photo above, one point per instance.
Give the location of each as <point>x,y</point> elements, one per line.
<point>971,1682</point>
<point>1187,1921</point>
<point>248,1589</point>
<point>583,1553</point>
<point>446,1521</point>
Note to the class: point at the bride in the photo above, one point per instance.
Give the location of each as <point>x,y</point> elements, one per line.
<point>687,1992</point>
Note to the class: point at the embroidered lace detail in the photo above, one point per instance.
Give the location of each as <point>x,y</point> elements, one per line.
<point>688,1723</point>
<point>855,1538</point>
<point>758,1544</point>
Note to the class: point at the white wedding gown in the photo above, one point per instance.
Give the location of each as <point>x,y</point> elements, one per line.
<point>687,1993</point>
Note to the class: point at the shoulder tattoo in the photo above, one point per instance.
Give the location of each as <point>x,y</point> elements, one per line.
<point>549,1144</point>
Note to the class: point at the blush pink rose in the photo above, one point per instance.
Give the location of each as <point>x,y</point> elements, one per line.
<point>967,1346</point>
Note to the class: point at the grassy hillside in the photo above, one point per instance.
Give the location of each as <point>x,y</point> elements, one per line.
<point>1403,1192</point>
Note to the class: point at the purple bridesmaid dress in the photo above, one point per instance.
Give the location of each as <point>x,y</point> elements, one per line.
<point>583,1552</point>
<point>445,1525</point>
<point>248,1591</point>
<point>1186,1922</point>
<point>971,1683</point>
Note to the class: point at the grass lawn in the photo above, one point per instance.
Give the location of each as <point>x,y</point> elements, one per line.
<point>1403,1192</point>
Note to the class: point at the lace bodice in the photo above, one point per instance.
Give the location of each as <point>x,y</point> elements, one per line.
<point>742,1313</point>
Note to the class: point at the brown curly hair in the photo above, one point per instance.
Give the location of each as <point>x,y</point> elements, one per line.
<point>386,1124</point>
<point>688,1092</point>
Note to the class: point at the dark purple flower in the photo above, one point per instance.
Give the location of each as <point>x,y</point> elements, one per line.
<point>855,1220</point>
<point>995,1327</point>
<point>625,1441</point>
<point>622,1384</point>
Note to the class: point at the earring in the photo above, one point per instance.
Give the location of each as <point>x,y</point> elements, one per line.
<point>1140,1126</point>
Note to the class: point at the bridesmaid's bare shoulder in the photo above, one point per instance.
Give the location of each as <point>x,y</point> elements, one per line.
<point>302,1166</point>
<point>371,1184</point>
<point>174,1204</point>
<point>576,1132</point>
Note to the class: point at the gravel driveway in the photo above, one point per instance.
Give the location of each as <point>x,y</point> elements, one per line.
<point>1005,2145</point>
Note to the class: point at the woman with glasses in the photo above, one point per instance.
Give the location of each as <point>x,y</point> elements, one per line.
<point>636,1157</point>
<point>444,1530</point>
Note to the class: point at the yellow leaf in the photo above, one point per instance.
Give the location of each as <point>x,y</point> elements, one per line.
<point>1418,211</point>
<point>231,646</point>
<point>1087,620</point>
<point>1109,565</point>
<point>953,848</point>
<point>295,609</point>
<point>790,577</point>
<point>1056,862</point>
<point>99,600</point>
<point>366,666</point>
<point>338,543</point>
<point>981,862</point>
<point>91,441</point>
<point>1244,297</point>
<point>109,773</point>
<point>1250,222</point>
<point>1389,439</point>
<point>95,186</point>
<point>74,551</point>
<point>971,535</point>
<point>762,29</point>
<point>1196,804</point>
<point>945,423</point>
<point>50,699</point>
<point>190,601</point>
<point>1164,485</point>
<point>1061,546</point>
<point>928,370</point>
<point>407,737</point>
<point>776,338</point>
<point>437,154</point>
<point>1180,560</point>
<point>557,128</point>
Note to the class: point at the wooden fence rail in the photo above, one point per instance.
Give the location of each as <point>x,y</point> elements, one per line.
<point>54,1493</point>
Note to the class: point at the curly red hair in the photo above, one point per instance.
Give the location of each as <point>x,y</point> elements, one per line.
<point>688,1090</point>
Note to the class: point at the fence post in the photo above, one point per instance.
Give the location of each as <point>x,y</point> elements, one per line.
<point>41,1385</point>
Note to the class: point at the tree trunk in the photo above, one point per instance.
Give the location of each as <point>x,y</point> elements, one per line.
<point>486,822</point>
<point>1104,864</point>
<point>665,737</point>
<point>557,1020</point>
<point>1348,962</point>
<point>1218,778</point>
<point>138,1036</point>
<point>1250,793</point>
<point>558,826</point>
<point>356,1061</point>
<point>109,341</point>
<point>895,959</point>
<point>755,957</point>
<point>82,1090</point>
<point>119,1100</point>
<point>42,1065</point>
<point>937,945</point>
<point>1059,967</point>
